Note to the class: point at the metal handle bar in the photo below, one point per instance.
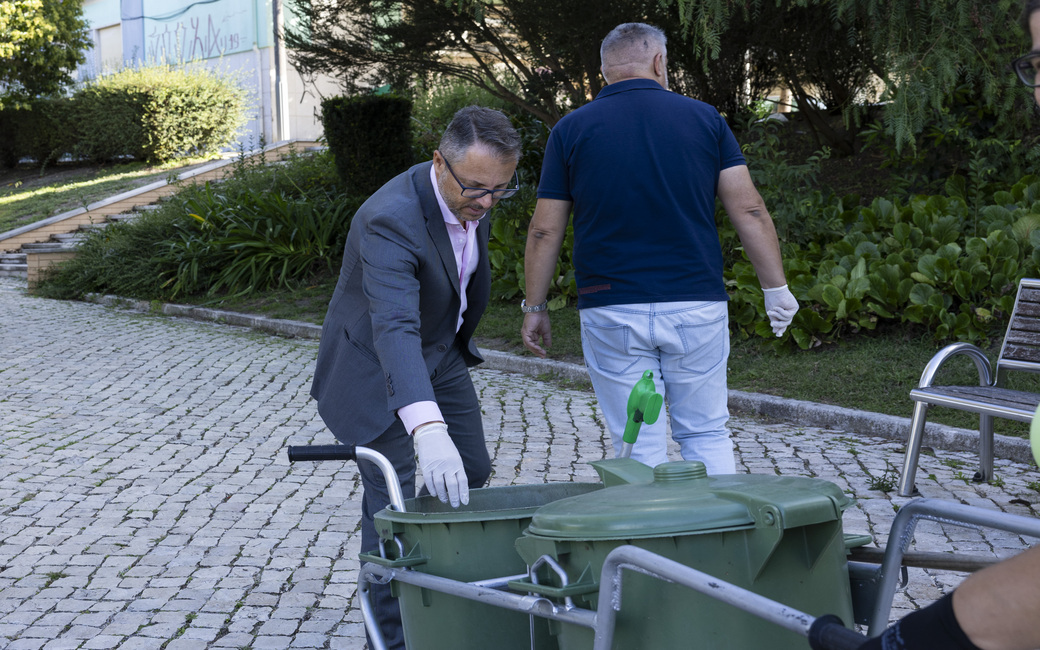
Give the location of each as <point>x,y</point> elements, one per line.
<point>828,633</point>
<point>634,558</point>
<point>352,452</point>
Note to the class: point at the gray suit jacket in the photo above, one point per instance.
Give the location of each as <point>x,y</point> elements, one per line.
<point>393,314</point>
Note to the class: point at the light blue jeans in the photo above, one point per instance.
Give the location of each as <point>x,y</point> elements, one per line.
<point>686,345</point>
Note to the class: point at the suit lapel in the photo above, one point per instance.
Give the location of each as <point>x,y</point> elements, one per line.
<point>435,224</point>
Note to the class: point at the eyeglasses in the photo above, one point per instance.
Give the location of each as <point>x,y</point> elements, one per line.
<point>479,192</point>
<point>1026,68</point>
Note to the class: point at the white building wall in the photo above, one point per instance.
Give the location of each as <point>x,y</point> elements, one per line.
<point>232,36</point>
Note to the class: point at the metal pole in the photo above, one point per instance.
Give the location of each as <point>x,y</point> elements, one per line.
<point>527,604</point>
<point>944,512</point>
<point>654,565</point>
<point>281,98</point>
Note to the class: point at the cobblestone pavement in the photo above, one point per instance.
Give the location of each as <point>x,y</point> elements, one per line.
<point>146,500</point>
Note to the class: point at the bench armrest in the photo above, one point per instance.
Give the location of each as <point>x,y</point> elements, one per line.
<point>958,349</point>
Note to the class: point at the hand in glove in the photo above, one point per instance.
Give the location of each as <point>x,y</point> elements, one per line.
<point>441,464</point>
<point>781,307</point>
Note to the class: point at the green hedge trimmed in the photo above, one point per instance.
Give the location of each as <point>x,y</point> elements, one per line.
<point>152,114</point>
<point>41,130</point>
<point>158,114</point>
<point>370,138</point>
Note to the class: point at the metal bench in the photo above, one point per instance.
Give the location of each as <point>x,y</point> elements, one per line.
<point>1020,351</point>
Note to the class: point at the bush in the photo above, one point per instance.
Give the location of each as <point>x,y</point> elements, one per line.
<point>934,261</point>
<point>38,129</point>
<point>370,138</point>
<point>157,114</point>
<point>254,242</point>
<point>436,103</point>
<point>122,259</point>
<point>265,225</point>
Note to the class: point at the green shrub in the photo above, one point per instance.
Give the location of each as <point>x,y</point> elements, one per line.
<point>264,225</point>
<point>370,138</point>
<point>122,259</point>
<point>918,262</point>
<point>435,103</point>
<point>157,114</point>
<point>508,237</point>
<point>38,129</point>
<point>254,242</point>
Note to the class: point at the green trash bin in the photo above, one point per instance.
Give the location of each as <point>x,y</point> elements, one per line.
<point>471,543</point>
<point>777,536</point>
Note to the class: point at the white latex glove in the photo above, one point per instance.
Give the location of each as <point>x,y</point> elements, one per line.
<point>441,464</point>
<point>781,307</point>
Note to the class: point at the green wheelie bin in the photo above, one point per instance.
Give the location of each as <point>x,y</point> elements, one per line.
<point>780,537</point>
<point>471,543</point>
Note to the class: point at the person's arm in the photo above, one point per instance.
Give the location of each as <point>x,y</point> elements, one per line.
<point>391,252</point>
<point>754,226</point>
<point>544,240</point>
<point>999,607</point>
<point>747,211</point>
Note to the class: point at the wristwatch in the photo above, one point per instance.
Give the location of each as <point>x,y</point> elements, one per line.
<point>533,308</point>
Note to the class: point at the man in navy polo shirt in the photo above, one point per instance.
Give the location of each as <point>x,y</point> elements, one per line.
<point>641,167</point>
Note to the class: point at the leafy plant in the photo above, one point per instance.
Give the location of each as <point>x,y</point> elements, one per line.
<point>261,226</point>
<point>506,246</point>
<point>247,243</point>
<point>911,263</point>
<point>884,483</point>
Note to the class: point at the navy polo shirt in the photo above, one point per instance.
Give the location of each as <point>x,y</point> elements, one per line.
<point>641,165</point>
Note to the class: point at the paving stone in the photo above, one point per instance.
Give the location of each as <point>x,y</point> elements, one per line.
<point>144,482</point>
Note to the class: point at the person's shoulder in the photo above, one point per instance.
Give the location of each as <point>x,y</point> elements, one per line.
<point>399,197</point>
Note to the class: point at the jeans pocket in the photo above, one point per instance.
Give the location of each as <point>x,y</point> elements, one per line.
<point>704,345</point>
<point>607,348</point>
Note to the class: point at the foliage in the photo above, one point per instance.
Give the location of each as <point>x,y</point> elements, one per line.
<point>158,113</point>
<point>799,209</point>
<point>917,262</point>
<point>539,55</point>
<point>38,129</point>
<point>41,43</point>
<point>964,137</point>
<point>926,48</point>
<point>121,259</point>
<point>274,224</point>
<point>370,138</point>
<point>833,72</point>
<point>506,245</point>
<point>437,102</point>
<point>255,242</point>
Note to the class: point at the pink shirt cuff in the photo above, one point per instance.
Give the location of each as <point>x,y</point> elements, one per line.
<point>416,413</point>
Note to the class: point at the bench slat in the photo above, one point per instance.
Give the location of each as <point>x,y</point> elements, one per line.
<point>1019,324</point>
<point>1021,353</point>
<point>1002,402</point>
<point>1028,308</point>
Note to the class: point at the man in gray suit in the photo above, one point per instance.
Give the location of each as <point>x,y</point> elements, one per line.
<point>395,349</point>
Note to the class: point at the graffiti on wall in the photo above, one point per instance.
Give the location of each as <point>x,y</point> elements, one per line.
<point>203,36</point>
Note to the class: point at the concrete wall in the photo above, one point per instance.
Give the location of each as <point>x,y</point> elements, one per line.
<point>235,37</point>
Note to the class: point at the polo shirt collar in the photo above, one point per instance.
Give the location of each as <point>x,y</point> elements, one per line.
<point>629,84</point>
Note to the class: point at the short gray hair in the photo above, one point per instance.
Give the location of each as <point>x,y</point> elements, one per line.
<point>632,43</point>
<point>478,125</point>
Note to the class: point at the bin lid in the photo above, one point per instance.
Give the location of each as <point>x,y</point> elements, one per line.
<point>683,499</point>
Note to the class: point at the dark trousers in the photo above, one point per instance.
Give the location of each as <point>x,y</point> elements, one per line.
<point>458,404</point>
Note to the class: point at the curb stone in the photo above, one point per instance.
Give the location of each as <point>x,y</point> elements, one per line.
<point>810,414</point>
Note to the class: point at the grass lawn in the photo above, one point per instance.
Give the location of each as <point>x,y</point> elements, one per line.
<point>871,373</point>
<point>28,194</point>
